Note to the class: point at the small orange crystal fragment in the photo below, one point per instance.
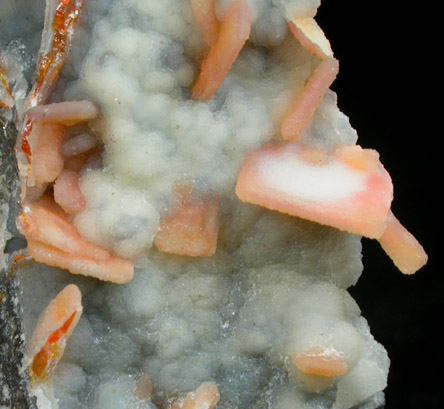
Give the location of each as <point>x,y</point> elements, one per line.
<point>191,231</point>
<point>53,240</point>
<point>234,32</point>
<point>67,192</point>
<point>309,99</point>
<point>205,15</point>
<point>46,157</point>
<point>112,269</point>
<point>205,396</point>
<point>307,31</point>
<point>66,113</point>
<point>54,326</point>
<point>402,247</point>
<point>321,362</point>
<point>50,65</point>
<point>42,221</point>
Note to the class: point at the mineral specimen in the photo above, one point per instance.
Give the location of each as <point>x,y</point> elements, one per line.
<point>185,171</point>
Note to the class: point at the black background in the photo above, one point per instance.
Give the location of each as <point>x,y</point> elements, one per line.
<point>389,86</point>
